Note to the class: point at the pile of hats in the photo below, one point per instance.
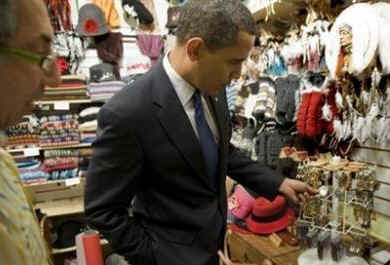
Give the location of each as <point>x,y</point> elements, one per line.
<point>103,83</point>
<point>260,215</point>
<point>71,87</point>
<point>88,124</point>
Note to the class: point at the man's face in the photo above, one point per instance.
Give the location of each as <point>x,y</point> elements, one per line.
<point>217,68</point>
<point>23,81</point>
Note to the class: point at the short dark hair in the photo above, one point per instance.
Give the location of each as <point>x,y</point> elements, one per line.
<point>217,22</point>
<point>8,19</point>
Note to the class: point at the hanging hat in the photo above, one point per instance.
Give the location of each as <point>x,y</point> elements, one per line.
<point>365,32</point>
<point>173,13</point>
<point>142,13</point>
<point>269,216</point>
<point>91,21</point>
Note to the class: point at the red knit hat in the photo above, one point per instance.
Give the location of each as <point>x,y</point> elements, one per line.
<point>269,216</point>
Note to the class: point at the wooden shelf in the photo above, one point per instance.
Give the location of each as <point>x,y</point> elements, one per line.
<point>74,146</point>
<point>70,101</point>
<point>62,207</point>
<point>32,151</point>
<point>55,251</point>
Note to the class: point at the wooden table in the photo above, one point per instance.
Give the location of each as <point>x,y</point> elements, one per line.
<point>256,249</point>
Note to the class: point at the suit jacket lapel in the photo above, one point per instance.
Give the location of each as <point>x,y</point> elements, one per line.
<point>175,122</point>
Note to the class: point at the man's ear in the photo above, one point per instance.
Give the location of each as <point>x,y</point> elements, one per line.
<point>195,48</point>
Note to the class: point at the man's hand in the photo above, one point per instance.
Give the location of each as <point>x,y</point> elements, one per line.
<point>296,190</point>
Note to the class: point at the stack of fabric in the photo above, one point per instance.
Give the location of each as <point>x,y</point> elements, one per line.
<point>88,124</point>
<point>24,134</point>
<point>59,130</point>
<point>32,171</point>
<point>71,87</point>
<point>103,91</point>
<point>61,164</point>
<point>103,82</point>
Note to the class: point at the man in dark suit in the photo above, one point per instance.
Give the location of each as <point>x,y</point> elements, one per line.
<point>164,146</point>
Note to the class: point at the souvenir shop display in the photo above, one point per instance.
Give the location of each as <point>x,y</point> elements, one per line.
<point>306,100</point>
<point>325,223</point>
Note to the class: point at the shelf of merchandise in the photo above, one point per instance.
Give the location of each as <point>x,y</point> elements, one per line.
<point>61,207</point>
<point>70,101</point>
<point>33,150</point>
<point>55,251</point>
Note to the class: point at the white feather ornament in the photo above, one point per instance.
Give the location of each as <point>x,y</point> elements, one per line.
<point>339,100</point>
<point>326,112</point>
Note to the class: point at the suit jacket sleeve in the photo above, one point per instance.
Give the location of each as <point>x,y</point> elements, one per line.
<point>113,174</point>
<point>251,174</point>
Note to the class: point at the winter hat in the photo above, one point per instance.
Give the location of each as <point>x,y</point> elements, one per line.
<point>91,21</point>
<point>142,13</point>
<point>286,88</point>
<point>269,216</point>
<point>173,17</point>
<point>110,49</point>
<point>240,202</point>
<point>101,72</point>
<point>265,103</point>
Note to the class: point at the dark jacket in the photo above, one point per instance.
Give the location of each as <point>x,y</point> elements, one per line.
<point>146,150</point>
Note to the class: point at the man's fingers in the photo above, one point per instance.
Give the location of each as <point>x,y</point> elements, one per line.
<point>311,189</point>
<point>302,197</point>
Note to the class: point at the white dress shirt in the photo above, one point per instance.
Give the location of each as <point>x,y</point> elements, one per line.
<point>185,92</point>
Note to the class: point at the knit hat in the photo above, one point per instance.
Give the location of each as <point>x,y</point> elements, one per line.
<point>91,21</point>
<point>173,16</point>
<point>265,103</point>
<point>142,13</point>
<point>101,72</point>
<point>269,216</point>
<point>240,202</point>
<point>286,89</point>
<point>110,49</point>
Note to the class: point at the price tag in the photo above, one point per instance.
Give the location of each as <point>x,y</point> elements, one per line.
<point>31,152</point>
<point>62,105</point>
<point>72,181</point>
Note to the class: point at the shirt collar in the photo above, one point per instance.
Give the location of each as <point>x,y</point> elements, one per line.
<point>184,90</point>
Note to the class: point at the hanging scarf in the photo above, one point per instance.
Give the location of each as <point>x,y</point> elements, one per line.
<point>60,13</point>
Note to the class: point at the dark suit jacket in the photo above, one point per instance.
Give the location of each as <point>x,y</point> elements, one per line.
<point>147,150</point>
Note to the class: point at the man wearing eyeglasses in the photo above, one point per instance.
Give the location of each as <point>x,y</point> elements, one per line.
<point>27,66</point>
